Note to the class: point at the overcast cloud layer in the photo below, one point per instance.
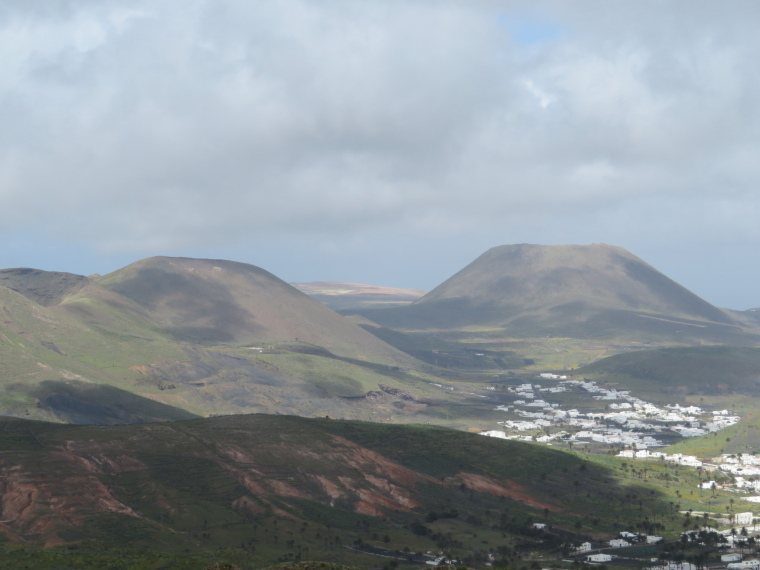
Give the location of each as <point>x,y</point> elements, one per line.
<point>384,141</point>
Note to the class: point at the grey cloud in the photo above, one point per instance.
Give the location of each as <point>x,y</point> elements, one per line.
<point>164,124</point>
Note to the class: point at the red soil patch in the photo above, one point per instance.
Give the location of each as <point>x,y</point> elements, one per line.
<point>366,508</point>
<point>368,461</point>
<point>505,488</point>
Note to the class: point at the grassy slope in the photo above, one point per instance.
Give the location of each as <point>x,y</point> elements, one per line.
<point>41,347</point>
<point>96,337</point>
<point>743,437</point>
<point>92,335</point>
<point>678,372</point>
<point>51,365</point>
<point>252,483</point>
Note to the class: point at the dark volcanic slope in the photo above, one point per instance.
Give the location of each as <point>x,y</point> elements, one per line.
<point>560,289</point>
<point>217,482</point>
<point>216,301</point>
<point>46,288</point>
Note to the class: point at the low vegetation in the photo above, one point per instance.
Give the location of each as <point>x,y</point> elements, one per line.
<point>277,488</point>
<point>681,372</point>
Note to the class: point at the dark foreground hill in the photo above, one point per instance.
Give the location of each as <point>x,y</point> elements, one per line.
<point>569,290</point>
<point>276,487</point>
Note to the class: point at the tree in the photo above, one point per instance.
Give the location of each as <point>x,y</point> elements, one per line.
<point>684,542</point>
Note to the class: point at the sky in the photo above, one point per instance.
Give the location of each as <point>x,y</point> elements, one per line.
<point>384,142</point>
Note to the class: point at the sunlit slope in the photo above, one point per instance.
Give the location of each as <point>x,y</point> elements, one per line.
<point>55,367</point>
<point>743,437</point>
<point>93,355</point>
<point>571,290</point>
<point>82,299</point>
<point>216,301</point>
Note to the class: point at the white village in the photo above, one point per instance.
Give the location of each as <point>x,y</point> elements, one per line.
<point>635,428</point>
<point>627,421</point>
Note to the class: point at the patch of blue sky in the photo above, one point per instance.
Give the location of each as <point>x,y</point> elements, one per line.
<point>39,250</point>
<point>529,31</point>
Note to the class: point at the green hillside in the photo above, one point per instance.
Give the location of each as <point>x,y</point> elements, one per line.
<point>743,437</point>
<point>174,338</point>
<point>277,488</point>
<point>40,347</point>
<point>702,371</point>
<point>177,338</point>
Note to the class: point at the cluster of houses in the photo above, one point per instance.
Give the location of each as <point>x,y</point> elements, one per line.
<point>622,419</point>
<point>744,565</point>
<point>624,539</point>
<point>439,561</point>
<point>732,559</point>
<point>679,458</point>
<point>745,468</point>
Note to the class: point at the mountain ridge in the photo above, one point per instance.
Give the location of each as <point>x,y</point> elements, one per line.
<point>219,301</point>
<point>208,336</point>
<point>565,290</point>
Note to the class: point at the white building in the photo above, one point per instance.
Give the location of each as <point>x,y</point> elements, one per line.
<point>495,433</point>
<point>671,565</point>
<point>751,564</point>
<point>744,519</point>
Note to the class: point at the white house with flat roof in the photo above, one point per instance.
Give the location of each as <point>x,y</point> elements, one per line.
<point>744,518</point>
